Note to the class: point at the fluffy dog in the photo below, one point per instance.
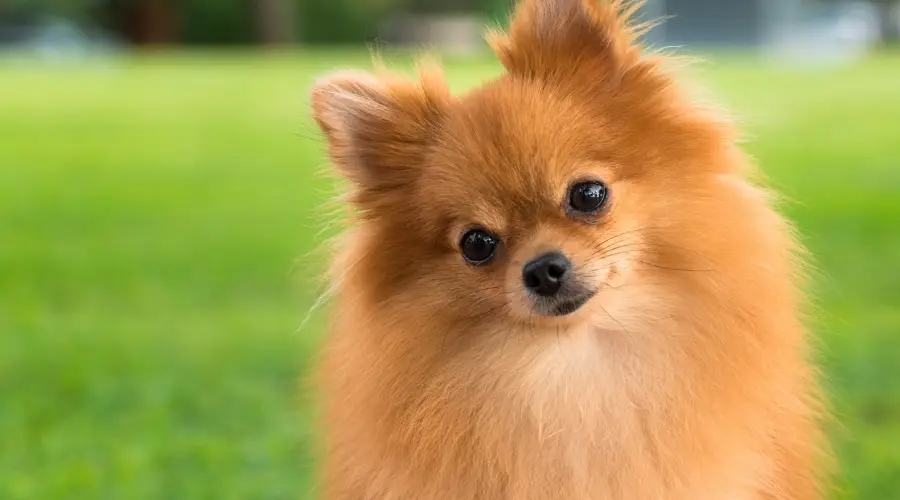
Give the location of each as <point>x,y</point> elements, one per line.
<point>560,285</point>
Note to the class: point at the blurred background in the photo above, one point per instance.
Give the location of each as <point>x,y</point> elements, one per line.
<point>161,208</point>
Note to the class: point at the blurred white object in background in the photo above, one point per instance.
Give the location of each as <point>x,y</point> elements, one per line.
<point>827,34</point>
<point>458,34</point>
<point>58,40</point>
<point>53,40</point>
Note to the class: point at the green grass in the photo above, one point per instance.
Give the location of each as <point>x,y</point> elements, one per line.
<point>156,223</point>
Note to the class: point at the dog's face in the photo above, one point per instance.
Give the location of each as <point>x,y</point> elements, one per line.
<point>529,202</point>
<point>554,195</point>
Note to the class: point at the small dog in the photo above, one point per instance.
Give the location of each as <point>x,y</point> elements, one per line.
<point>561,285</point>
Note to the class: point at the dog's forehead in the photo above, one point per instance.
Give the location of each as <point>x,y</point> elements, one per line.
<point>506,153</point>
<point>514,137</point>
<point>521,118</point>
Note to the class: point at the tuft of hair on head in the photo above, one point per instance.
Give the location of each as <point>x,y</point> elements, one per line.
<point>558,40</point>
<point>376,124</point>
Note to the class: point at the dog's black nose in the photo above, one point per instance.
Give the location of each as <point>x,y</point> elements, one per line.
<point>545,274</point>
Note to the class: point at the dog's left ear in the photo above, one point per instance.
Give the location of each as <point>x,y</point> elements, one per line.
<point>559,40</point>
<point>378,127</point>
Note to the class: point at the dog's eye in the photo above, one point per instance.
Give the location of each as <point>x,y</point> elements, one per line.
<point>588,197</point>
<point>478,247</point>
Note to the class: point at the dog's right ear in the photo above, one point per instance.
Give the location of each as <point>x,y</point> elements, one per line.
<point>378,127</point>
<point>561,40</point>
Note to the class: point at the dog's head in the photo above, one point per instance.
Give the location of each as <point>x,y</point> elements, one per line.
<point>562,192</point>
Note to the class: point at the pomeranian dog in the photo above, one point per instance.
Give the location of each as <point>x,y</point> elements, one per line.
<point>560,285</point>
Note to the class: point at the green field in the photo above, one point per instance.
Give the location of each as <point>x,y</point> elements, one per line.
<point>158,219</point>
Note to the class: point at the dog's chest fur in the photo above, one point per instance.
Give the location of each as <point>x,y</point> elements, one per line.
<point>583,419</point>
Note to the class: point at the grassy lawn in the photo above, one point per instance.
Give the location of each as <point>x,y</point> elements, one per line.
<point>158,220</point>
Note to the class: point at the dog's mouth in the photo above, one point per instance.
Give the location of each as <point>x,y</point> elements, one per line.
<point>564,306</point>
<point>568,307</point>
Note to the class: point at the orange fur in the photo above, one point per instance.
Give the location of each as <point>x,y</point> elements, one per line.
<point>685,377</point>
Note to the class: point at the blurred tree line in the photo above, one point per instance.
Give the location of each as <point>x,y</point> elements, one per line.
<point>236,22</point>
<point>215,22</point>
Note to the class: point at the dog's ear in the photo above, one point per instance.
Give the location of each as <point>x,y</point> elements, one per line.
<point>378,127</point>
<point>558,39</point>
